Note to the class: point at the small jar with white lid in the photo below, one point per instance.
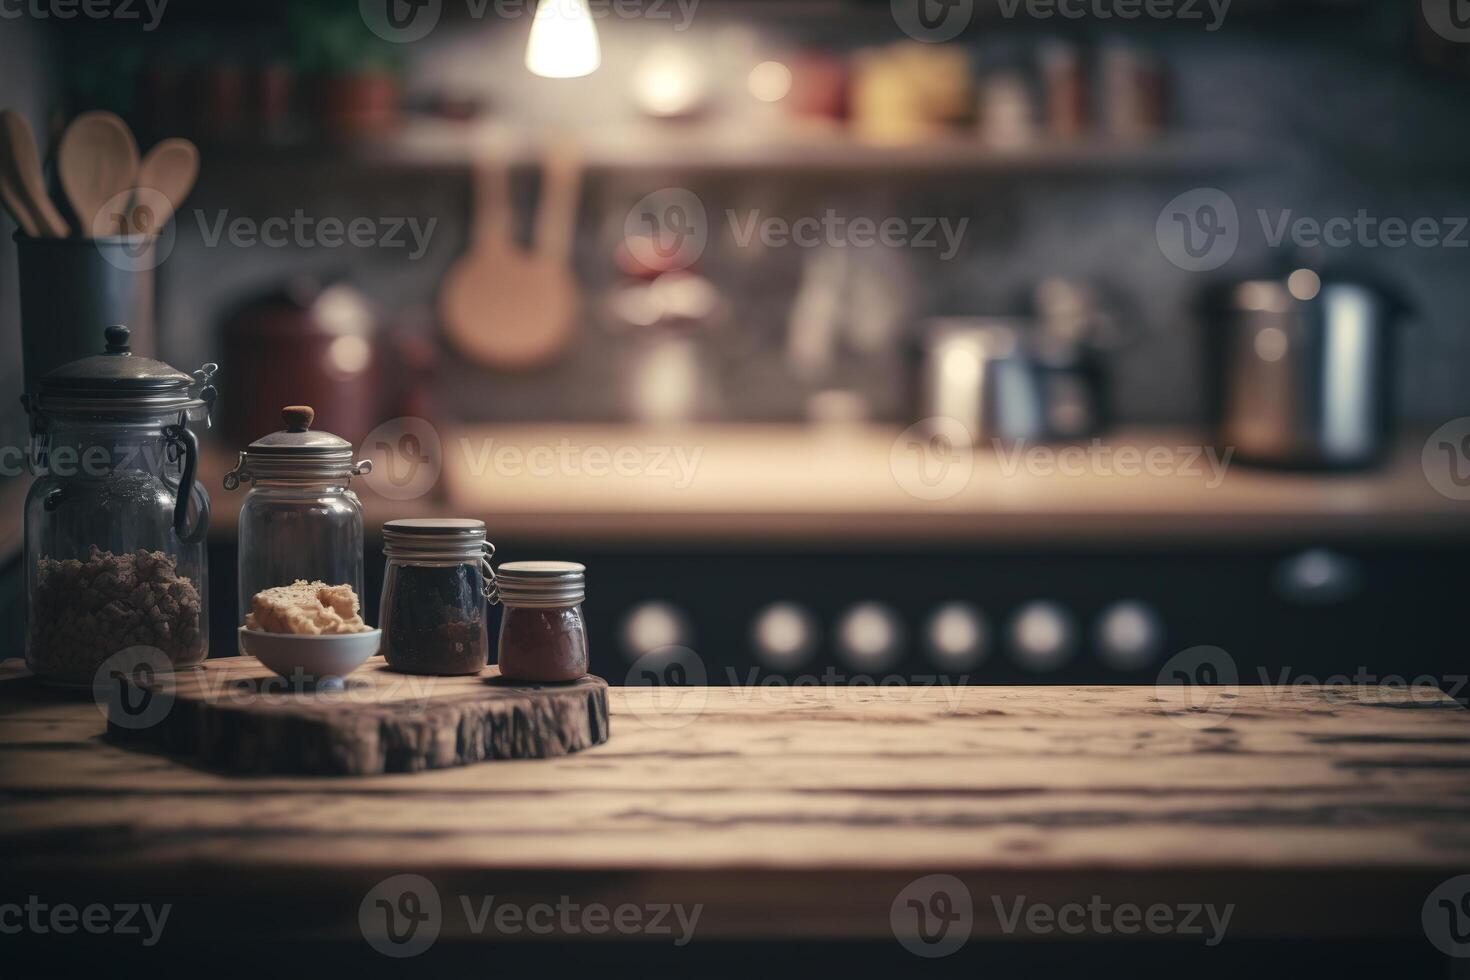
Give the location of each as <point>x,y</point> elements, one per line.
<point>301,519</point>
<point>543,638</point>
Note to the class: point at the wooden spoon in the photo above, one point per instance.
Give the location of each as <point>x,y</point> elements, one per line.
<point>165,177</point>
<point>21,185</point>
<point>17,208</point>
<point>98,162</point>
<point>505,307</point>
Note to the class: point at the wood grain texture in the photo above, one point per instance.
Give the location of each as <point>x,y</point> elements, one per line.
<point>238,716</point>
<point>803,812</point>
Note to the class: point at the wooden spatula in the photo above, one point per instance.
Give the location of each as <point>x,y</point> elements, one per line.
<point>165,177</point>
<point>22,187</point>
<point>505,307</point>
<point>98,165</point>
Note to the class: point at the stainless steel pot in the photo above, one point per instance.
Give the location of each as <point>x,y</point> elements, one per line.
<point>1306,371</point>
<point>979,371</point>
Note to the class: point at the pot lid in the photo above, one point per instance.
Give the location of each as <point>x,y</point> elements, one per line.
<point>116,371</point>
<point>297,439</point>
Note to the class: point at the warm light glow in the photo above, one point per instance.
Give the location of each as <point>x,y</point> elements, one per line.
<point>1304,284</point>
<point>669,82</point>
<point>348,356</point>
<point>769,81</point>
<point>563,40</point>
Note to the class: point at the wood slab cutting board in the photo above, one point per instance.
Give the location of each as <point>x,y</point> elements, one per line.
<point>236,715</point>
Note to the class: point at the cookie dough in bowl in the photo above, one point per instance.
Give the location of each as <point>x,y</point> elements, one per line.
<point>306,609</point>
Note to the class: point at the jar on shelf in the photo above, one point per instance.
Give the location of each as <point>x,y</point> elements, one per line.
<point>115,522</point>
<point>438,580</point>
<point>543,638</point>
<point>300,519</point>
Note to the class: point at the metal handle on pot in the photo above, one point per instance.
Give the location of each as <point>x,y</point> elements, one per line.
<point>181,435</point>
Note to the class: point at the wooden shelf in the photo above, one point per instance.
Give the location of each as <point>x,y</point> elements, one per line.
<point>730,147</point>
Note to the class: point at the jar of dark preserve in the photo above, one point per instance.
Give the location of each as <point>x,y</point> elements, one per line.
<point>435,589</point>
<point>542,636</point>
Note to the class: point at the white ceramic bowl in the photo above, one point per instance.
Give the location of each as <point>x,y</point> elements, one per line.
<point>316,657</point>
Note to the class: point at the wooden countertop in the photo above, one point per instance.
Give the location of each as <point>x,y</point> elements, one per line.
<point>794,812</point>
<point>793,484</point>
<point>789,484</point>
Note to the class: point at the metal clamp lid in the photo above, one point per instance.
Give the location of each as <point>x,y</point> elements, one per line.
<point>542,584</point>
<point>442,541</point>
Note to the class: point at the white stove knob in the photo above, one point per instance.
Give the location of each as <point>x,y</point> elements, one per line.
<point>1042,636</point>
<point>957,636</point>
<point>870,637</point>
<point>652,626</point>
<point>1129,635</point>
<point>784,636</point>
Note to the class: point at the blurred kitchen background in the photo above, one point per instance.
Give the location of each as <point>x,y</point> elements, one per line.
<point>802,544</point>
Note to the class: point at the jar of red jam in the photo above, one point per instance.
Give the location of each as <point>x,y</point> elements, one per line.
<point>542,636</point>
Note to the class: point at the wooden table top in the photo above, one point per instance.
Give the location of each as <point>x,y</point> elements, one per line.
<point>798,812</point>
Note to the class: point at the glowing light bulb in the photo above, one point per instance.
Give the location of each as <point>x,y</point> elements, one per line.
<point>563,40</point>
<point>769,81</point>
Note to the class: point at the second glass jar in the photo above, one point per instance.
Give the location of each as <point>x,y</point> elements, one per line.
<point>301,519</point>
<point>437,582</point>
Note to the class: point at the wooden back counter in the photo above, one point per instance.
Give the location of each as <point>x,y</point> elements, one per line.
<point>792,484</point>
